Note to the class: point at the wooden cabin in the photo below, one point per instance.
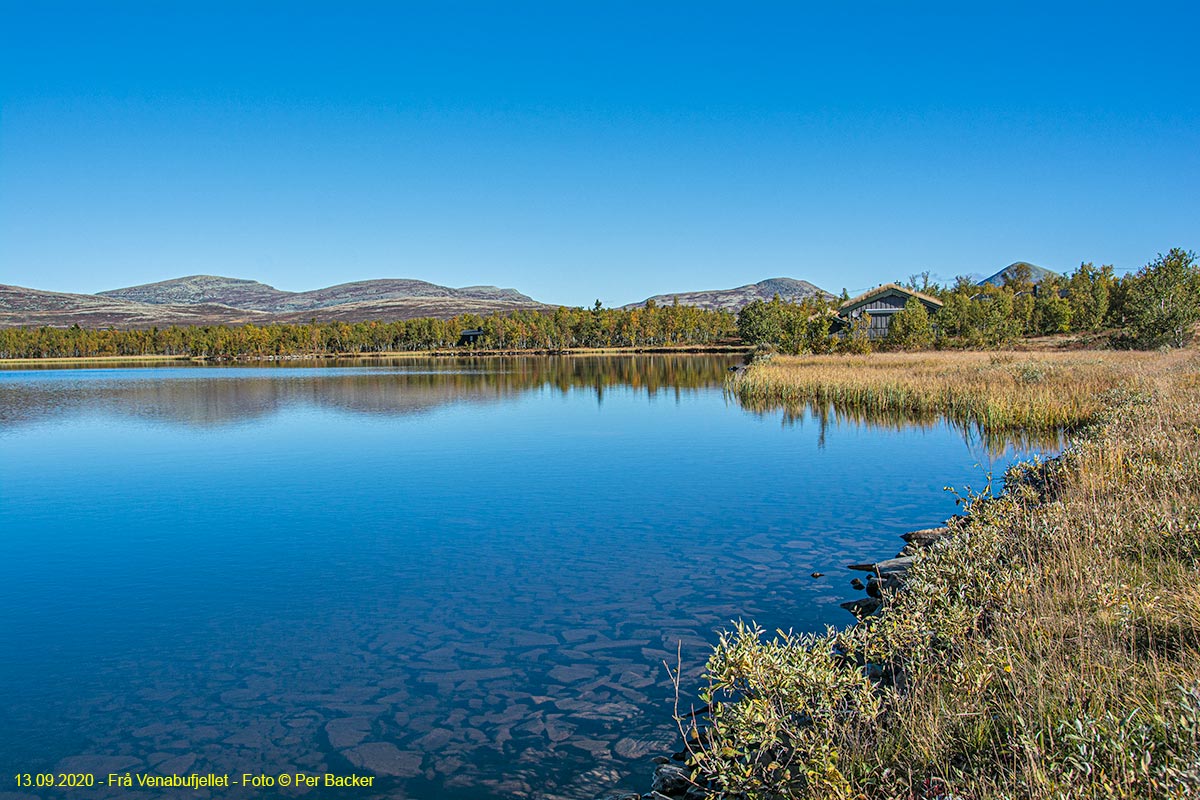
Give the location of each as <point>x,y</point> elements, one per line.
<point>881,303</point>
<point>469,337</point>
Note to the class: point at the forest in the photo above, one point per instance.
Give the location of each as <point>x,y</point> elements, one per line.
<point>562,329</point>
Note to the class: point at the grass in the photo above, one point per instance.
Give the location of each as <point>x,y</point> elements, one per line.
<point>1050,648</point>
<point>995,391</point>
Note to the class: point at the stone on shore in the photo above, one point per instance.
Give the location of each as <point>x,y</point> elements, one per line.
<point>926,537</point>
<point>863,607</point>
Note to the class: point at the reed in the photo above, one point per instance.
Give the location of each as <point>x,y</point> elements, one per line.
<point>996,391</point>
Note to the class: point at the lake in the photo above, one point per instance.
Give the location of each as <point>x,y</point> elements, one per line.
<point>463,576</point>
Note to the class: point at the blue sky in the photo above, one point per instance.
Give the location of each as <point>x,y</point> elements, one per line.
<point>579,150</point>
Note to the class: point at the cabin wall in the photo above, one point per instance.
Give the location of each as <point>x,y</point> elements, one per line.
<point>884,302</point>
<point>881,310</point>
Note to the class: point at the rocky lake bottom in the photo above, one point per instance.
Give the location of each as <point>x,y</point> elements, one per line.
<point>466,578</point>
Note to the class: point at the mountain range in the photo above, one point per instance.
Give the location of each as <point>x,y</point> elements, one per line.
<point>215,300</point>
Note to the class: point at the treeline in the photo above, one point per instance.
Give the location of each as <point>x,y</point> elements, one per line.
<point>1157,306</point>
<point>561,329</point>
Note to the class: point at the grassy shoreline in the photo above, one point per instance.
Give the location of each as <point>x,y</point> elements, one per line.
<point>447,353</point>
<point>1049,648</point>
<point>996,390</point>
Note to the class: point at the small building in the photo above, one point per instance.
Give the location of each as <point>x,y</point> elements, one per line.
<point>469,337</point>
<point>881,303</point>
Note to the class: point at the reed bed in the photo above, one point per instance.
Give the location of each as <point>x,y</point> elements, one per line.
<point>1048,649</point>
<point>996,391</point>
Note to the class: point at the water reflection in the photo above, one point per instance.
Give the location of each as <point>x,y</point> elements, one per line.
<point>988,444</point>
<point>204,396</point>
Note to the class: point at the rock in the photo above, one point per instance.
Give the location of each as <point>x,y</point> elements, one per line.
<point>97,764</point>
<point>384,758</point>
<point>863,607</point>
<point>637,747</point>
<point>900,564</point>
<point>661,760</point>
<point>671,780</point>
<point>887,581</point>
<point>347,731</point>
<point>175,766</point>
<point>925,537</point>
<point>566,674</point>
<point>894,565</point>
<point>857,584</point>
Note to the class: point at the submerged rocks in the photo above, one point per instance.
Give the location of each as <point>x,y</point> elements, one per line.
<point>671,780</point>
<point>384,758</point>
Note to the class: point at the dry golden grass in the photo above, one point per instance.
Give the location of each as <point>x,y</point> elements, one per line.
<point>1049,649</point>
<point>995,390</point>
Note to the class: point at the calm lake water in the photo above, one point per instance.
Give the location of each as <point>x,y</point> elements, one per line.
<point>463,576</point>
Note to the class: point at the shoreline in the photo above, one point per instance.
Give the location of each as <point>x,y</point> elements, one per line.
<point>431,354</point>
<point>1062,610</point>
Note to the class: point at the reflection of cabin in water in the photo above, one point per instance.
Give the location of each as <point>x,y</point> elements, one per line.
<point>880,303</point>
<point>469,337</point>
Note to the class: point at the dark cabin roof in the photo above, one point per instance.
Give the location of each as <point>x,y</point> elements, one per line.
<point>472,332</point>
<point>885,290</point>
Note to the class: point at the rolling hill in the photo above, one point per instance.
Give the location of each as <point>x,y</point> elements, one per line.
<point>255,296</point>
<point>788,289</point>
<point>213,300</point>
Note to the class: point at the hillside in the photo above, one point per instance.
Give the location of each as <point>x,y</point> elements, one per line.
<point>788,289</point>
<point>203,289</point>
<point>20,306</point>
<point>1036,274</point>
<point>212,300</point>
<point>252,295</point>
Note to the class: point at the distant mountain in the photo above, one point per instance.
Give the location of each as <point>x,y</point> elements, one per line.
<point>1036,274</point>
<point>201,289</point>
<point>33,307</point>
<point>216,300</point>
<point>252,295</point>
<point>788,289</point>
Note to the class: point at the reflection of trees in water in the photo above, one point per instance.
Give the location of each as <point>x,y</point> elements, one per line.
<point>210,396</point>
<point>986,444</point>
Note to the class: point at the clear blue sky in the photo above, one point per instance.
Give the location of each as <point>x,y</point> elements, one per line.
<point>579,150</point>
